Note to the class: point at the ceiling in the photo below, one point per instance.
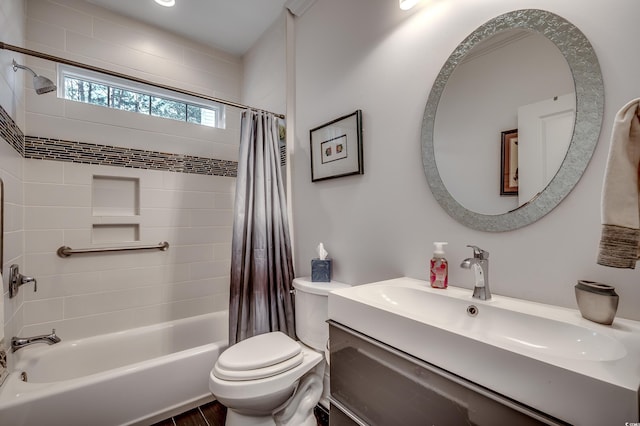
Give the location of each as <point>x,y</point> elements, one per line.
<point>230,25</point>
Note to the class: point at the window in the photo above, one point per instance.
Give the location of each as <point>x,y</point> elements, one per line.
<point>104,90</point>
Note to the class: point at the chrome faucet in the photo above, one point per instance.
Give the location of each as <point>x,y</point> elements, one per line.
<point>480,265</point>
<point>16,279</point>
<point>21,342</point>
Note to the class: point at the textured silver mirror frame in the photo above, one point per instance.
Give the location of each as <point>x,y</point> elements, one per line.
<point>589,87</point>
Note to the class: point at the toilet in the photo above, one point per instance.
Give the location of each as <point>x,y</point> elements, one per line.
<point>271,378</point>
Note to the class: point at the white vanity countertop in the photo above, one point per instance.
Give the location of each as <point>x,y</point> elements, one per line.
<point>545,356</point>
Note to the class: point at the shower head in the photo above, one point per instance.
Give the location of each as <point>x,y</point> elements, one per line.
<point>40,83</point>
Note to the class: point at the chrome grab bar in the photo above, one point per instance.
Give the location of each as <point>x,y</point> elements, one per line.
<point>65,251</point>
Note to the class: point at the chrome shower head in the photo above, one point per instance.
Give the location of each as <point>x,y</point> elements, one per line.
<point>40,84</point>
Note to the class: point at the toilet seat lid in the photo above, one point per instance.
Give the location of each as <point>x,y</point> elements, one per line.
<point>258,357</point>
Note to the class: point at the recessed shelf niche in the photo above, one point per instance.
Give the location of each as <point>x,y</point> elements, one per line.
<point>115,233</point>
<point>115,196</point>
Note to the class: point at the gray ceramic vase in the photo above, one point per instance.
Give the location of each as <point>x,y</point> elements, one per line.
<point>597,302</point>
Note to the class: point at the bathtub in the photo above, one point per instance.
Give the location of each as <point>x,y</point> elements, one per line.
<point>134,377</point>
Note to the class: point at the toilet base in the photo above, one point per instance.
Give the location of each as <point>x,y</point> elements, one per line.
<point>236,419</point>
<point>297,411</point>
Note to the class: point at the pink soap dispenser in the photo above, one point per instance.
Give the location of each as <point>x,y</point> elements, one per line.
<point>439,271</point>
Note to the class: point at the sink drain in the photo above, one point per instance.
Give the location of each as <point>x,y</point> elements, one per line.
<point>472,310</point>
<point>23,376</point>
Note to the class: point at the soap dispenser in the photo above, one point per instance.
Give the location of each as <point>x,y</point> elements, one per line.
<point>439,271</point>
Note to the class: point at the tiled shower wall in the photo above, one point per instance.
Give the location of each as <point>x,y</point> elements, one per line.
<point>188,204</point>
<point>87,294</point>
<point>83,32</point>
<point>12,30</point>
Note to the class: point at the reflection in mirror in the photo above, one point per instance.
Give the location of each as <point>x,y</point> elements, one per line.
<point>513,80</point>
<point>505,76</point>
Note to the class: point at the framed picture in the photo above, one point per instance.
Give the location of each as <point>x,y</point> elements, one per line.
<point>509,163</point>
<point>336,148</point>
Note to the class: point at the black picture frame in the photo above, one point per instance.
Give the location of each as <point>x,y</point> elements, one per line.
<point>336,148</point>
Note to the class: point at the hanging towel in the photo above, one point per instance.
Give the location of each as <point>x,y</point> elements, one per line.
<point>620,240</point>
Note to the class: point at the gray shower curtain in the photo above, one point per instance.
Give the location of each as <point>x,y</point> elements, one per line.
<point>261,260</point>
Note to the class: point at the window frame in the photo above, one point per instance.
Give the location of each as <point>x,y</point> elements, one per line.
<point>113,82</point>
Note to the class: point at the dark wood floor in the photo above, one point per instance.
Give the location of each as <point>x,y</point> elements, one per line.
<point>215,414</point>
<point>211,414</point>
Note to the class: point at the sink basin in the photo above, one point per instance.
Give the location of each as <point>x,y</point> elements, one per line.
<point>509,329</point>
<point>546,357</point>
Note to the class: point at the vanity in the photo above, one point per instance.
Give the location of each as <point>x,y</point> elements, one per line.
<point>404,353</point>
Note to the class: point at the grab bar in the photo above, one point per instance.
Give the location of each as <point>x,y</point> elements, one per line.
<point>65,251</point>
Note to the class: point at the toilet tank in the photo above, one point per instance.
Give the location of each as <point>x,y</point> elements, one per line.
<point>312,311</point>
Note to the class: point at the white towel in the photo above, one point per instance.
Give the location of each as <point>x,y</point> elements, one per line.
<point>620,240</point>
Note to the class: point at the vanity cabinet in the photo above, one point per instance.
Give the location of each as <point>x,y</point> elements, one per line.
<point>375,384</point>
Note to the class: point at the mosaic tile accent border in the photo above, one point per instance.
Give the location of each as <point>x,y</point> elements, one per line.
<point>10,131</point>
<point>88,153</point>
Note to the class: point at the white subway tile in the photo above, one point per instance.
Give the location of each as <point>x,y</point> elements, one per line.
<point>104,126</point>
<point>13,217</point>
<point>222,251</point>
<point>41,32</point>
<point>13,188</point>
<point>138,39</point>
<point>52,195</point>
<point>47,105</point>
<point>43,171</point>
<point>211,217</point>
<point>223,201</point>
<point>193,253</point>
<point>197,200</point>
<point>159,199</point>
<point>212,63</point>
<point>39,241</point>
<point>122,55</point>
<point>37,217</point>
<point>190,290</point>
<point>58,15</point>
<point>98,303</point>
<point>189,236</point>
<point>39,311</point>
<point>77,328</point>
<point>55,286</point>
<point>164,217</point>
<point>187,308</point>
<point>76,238</point>
<point>213,269</point>
<point>13,245</point>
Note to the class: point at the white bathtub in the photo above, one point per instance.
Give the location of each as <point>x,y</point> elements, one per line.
<point>137,376</point>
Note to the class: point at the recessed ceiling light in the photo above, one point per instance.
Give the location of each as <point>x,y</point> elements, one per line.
<point>404,4</point>
<point>166,3</point>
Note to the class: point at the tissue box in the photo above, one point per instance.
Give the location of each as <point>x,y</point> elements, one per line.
<point>320,270</point>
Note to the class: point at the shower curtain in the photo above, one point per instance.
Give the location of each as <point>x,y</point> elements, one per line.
<point>261,260</point>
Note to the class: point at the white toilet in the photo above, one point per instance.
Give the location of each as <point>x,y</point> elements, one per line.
<point>271,377</point>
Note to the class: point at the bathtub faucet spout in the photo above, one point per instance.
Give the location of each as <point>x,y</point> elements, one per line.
<point>21,342</point>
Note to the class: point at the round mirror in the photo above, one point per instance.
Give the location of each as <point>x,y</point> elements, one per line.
<point>512,120</point>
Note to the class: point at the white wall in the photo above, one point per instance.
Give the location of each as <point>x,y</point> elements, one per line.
<point>263,83</point>
<point>12,29</point>
<point>369,55</point>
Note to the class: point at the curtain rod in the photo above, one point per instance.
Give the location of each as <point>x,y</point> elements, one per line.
<point>60,60</point>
